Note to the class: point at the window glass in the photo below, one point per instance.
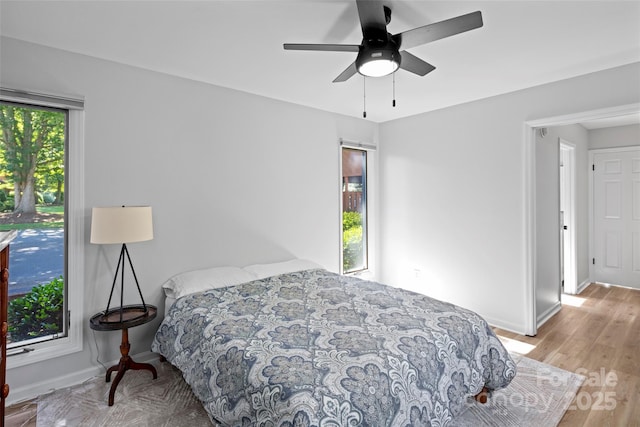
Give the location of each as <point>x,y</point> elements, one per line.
<point>354,210</point>
<point>33,144</point>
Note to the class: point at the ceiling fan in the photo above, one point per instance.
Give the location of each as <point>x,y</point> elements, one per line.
<point>381,53</point>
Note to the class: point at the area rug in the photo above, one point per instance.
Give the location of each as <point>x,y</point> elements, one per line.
<point>538,396</point>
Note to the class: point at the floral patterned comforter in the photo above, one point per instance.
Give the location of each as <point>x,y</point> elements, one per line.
<point>314,348</point>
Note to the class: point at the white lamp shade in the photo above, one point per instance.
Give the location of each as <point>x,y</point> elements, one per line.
<point>121,224</point>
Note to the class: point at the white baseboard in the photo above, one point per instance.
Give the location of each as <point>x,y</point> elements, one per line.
<point>32,391</point>
<point>582,286</point>
<point>548,314</point>
<point>507,326</point>
<point>615,285</point>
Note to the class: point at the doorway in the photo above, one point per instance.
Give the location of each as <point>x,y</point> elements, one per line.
<point>568,234</point>
<point>531,128</point>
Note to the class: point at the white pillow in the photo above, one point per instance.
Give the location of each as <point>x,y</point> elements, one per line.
<point>202,280</point>
<point>267,270</point>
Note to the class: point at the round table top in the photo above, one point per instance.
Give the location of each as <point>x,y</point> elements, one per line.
<point>123,318</point>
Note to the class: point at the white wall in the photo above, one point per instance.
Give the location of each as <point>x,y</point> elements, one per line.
<point>547,225</point>
<point>233,178</point>
<point>618,136</point>
<point>454,194</point>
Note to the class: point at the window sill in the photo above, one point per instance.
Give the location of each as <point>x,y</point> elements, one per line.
<point>45,351</point>
<point>362,274</point>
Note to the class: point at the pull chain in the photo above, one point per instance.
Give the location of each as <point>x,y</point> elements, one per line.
<point>364,97</point>
<point>393,104</point>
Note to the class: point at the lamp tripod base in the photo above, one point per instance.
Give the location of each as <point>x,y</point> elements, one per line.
<point>116,315</point>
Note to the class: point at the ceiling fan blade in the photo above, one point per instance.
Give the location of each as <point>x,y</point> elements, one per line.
<point>414,64</point>
<point>372,19</point>
<point>346,74</point>
<point>438,30</point>
<point>322,47</point>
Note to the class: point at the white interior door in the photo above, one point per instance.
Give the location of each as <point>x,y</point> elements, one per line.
<point>616,217</point>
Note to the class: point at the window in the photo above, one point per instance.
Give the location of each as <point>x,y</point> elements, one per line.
<point>40,149</point>
<point>354,210</point>
<point>32,169</point>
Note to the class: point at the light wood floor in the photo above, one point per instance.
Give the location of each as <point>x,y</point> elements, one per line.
<point>596,334</point>
<point>599,339</point>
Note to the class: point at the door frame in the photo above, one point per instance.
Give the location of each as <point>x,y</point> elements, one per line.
<point>529,190</point>
<point>570,261</point>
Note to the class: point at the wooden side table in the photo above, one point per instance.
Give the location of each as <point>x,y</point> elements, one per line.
<point>117,319</point>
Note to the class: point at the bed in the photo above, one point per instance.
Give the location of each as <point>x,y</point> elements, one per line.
<point>296,345</point>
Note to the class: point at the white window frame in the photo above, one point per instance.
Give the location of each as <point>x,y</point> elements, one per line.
<point>371,199</point>
<point>74,228</point>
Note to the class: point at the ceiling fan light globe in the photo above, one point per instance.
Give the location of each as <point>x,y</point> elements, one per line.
<point>378,67</point>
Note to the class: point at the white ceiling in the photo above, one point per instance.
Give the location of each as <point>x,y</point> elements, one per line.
<point>238,44</point>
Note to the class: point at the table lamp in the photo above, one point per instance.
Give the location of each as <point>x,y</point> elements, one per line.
<point>122,225</point>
